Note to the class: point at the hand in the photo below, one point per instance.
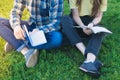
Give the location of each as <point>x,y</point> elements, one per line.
<point>87,31</point>
<point>90,25</point>
<point>19,33</point>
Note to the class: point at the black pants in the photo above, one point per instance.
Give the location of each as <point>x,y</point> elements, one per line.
<point>76,35</point>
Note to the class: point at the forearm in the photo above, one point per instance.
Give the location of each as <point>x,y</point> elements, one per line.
<point>78,21</point>
<point>15,14</point>
<point>97,19</point>
<point>76,17</point>
<point>14,19</point>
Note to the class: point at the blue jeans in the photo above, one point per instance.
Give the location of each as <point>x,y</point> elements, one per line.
<point>54,38</point>
<point>76,35</point>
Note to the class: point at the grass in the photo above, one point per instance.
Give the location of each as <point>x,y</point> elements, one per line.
<point>63,63</point>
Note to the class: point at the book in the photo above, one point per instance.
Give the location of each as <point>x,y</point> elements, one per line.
<point>96,29</point>
<point>36,37</point>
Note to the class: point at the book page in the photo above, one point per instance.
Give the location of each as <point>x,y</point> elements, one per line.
<point>37,38</point>
<point>100,29</point>
<point>96,29</point>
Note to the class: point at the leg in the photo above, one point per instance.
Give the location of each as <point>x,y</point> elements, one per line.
<point>91,64</point>
<point>7,34</point>
<point>69,31</point>
<point>92,52</point>
<point>95,41</point>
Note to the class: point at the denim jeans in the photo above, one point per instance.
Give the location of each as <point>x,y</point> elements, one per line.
<point>54,38</point>
<point>76,35</point>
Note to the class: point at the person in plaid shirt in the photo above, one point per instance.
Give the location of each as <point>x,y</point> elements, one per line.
<point>44,15</point>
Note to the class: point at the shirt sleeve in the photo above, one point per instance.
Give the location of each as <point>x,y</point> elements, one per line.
<point>103,6</point>
<point>72,4</point>
<point>55,13</point>
<point>16,12</point>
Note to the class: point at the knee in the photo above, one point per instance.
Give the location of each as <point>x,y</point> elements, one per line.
<point>66,22</point>
<point>66,19</point>
<point>102,35</point>
<point>56,38</point>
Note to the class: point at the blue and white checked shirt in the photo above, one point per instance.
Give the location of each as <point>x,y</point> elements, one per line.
<point>45,13</point>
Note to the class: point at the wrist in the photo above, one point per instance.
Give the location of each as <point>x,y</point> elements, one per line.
<point>15,26</point>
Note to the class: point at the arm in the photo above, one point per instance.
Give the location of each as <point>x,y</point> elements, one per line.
<point>75,14</point>
<point>96,20</point>
<point>79,21</point>
<point>15,17</point>
<point>55,13</point>
<point>76,17</point>
<point>99,16</point>
<point>16,13</point>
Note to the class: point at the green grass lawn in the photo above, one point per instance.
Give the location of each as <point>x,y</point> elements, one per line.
<point>63,63</point>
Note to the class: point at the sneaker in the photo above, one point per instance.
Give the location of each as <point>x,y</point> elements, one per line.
<point>98,64</point>
<point>31,57</point>
<point>90,69</point>
<point>8,47</point>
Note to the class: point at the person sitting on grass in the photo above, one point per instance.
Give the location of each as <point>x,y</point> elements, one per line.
<point>85,13</point>
<point>44,15</point>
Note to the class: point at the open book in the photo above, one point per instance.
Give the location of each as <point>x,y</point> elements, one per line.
<point>36,37</point>
<point>97,29</point>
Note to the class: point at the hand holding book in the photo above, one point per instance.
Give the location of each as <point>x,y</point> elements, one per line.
<point>96,29</point>
<point>36,37</point>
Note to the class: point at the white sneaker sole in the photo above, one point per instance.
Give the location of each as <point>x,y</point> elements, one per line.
<point>86,70</point>
<point>91,73</point>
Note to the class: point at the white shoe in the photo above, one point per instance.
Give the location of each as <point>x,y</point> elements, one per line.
<point>31,57</point>
<point>8,47</point>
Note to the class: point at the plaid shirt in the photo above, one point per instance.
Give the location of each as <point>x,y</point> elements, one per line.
<point>45,13</point>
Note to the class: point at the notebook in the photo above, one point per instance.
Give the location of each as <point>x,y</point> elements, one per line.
<point>36,37</point>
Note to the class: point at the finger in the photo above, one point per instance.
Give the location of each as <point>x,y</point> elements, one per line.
<point>16,34</point>
<point>22,36</point>
<point>90,32</point>
<point>19,35</point>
